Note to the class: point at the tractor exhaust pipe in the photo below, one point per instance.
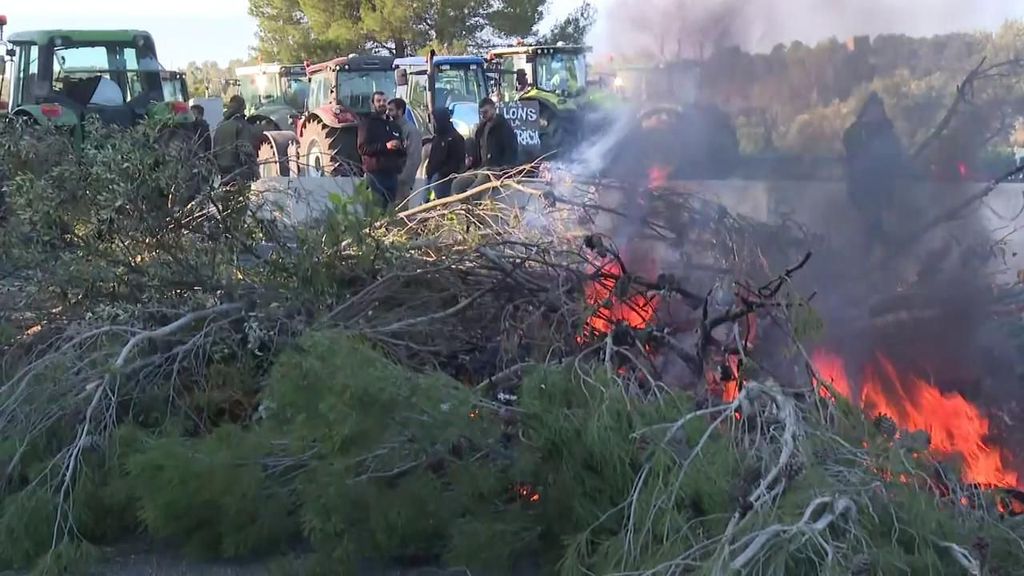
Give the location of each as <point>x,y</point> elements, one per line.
<point>3,56</point>
<point>431,83</point>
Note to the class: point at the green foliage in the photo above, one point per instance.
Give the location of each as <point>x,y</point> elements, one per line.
<point>68,559</point>
<point>213,496</point>
<point>293,30</point>
<point>26,527</point>
<point>572,29</point>
<point>379,430</point>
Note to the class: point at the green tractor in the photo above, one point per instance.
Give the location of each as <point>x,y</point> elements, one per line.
<point>275,94</point>
<point>60,77</point>
<point>553,77</point>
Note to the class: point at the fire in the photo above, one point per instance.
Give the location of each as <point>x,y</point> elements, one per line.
<point>636,311</point>
<point>657,176</point>
<point>954,425</point>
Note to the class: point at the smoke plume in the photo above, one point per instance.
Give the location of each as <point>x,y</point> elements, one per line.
<point>681,27</point>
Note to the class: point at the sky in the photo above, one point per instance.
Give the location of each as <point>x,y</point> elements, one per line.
<point>187,30</point>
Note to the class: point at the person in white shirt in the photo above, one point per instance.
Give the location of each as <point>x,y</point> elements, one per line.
<point>107,93</point>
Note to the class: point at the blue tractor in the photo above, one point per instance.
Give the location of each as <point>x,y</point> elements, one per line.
<point>455,82</point>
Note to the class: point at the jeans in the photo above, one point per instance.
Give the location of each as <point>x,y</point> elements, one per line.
<point>385,185</point>
<point>442,188</point>
<point>470,180</point>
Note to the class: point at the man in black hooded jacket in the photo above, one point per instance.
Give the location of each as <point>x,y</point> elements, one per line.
<point>447,154</point>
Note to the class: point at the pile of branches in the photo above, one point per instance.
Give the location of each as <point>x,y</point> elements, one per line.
<point>201,348</point>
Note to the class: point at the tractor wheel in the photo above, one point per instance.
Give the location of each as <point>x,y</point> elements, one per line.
<point>555,137</point>
<point>294,159</point>
<point>318,150</point>
<point>272,154</point>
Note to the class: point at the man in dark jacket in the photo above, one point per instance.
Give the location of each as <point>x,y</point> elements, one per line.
<point>380,147</point>
<point>496,144</point>
<point>232,145</point>
<point>203,139</point>
<point>495,148</point>
<point>447,154</point>
<point>875,164</point>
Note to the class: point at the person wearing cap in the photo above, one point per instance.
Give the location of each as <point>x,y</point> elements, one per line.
<point>232,144</point>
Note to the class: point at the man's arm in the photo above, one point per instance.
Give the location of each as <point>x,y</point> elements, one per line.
<point>456,154</point>
<point>414,155</point>
<point>365,144</point>
<point>510,145</point>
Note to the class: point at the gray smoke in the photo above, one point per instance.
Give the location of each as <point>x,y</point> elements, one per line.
<point>671,26</point>
<point>930,309</point>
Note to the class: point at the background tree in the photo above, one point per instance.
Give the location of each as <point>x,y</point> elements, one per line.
<point>319,29</point>
<point>572,29</point>
<point>208,77</point>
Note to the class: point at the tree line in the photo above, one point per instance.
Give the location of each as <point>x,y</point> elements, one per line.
<point>295,30</point>
<point>799,98</point>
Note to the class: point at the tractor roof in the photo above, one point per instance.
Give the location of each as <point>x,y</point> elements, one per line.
<point>439,60</point>
<point>354,62</point>
<point>77,36</point>
<point>550,49</point>
<point>272,68</point>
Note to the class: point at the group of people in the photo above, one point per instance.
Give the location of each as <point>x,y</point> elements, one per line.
<point>390,147</point>
<point>231,143</point>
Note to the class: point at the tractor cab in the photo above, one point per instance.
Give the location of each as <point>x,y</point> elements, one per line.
<point>557,74</point>
<point>324,142</point>
<point>274,93</point>
<point>549,84</point>
<point>63,75</point>
<point>672,83</point>
<point>459,84</point>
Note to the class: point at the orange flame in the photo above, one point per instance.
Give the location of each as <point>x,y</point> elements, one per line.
<point>657,176</point>
<point>636,311</point>
<point>954,425</point>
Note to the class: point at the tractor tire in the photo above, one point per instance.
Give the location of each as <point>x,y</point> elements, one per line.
<point>319,151</point>
<point>272,154</point>
<point>294,163</point>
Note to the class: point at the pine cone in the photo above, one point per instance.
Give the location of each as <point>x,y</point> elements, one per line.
<point>981,546</point>
<point>862,565</point>
<point>886,425</point>
<point>794,468</point>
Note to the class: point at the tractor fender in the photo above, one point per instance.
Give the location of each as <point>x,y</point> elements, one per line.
<point>66,116</point>
<point>334,116</point>
<point>257,119</point>
<point>279,138</point>
<point>282,143</point>
<point>171,113</point>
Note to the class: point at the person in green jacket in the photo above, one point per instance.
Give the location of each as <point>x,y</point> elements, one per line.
<point>232,145</point>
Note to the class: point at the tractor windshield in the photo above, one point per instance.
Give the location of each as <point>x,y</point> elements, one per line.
<point>295,92</point>
<point>259,89</point>
<point>106,74</point>
<point>356,88</point>
<point>561,72</point>
<point>459,83</point>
